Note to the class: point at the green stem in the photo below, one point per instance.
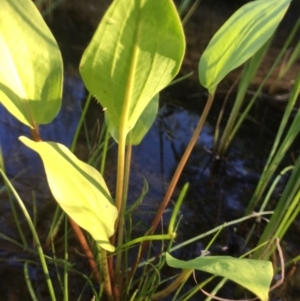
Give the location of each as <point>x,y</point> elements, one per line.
<point>66,270</point>
<point>106,275</point>
<point>182,163</point>
<point>105,148</point>
<point>183,276</point>
<point>122,212</point>
<point>81,120</point>
<point>146,238</point>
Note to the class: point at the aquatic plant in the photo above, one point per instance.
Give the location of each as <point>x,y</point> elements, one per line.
<point>135,52</point>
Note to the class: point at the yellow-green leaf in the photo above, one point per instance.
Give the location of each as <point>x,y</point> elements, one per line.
<point>30,64</point>
<point>79,189</point>
<point>136,52</point>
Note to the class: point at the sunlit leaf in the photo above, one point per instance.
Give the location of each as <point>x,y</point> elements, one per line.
<point>136,51</point>
<point>79,189</point>
<point>239,38</point>
<point>143,124</point>
<point>30,64</point>
<point>254,275</point>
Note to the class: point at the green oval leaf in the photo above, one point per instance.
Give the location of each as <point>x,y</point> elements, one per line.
<point>136,51</point>
<point>79,189</point>
<point>30,64</point>
<point>239,38</point>
<point>254,275</point>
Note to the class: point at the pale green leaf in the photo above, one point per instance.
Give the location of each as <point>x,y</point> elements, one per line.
<point>30,64</point>
<point>136,51</point>
<point>239,38</point>
<point>79,189</point>
<point>254,275</point>
<point>142,126</point>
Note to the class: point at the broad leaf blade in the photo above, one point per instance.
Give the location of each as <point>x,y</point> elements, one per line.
<point>30,64</point>
<point>239,38</point>
<point>142,126</point>
<point>136,51</point>
<point>79,189</point>
<point>254,275</point>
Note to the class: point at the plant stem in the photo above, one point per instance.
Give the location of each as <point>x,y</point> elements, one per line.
<point>177,173</point>
<point>81,120</point>
<point>122,213</point>
<point>105,148</point>
<point>184,275</point>
<point>182,163</point>
<point>86,248</point>
<point>106,275</point>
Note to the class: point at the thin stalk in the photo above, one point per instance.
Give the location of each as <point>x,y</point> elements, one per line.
<point>217,130</point>
<point>216,289</point>
<point>273,186</point>
<point>34,234</point>
<point>146,238</point>
<point>28,282</point>
<point>81,120</point>
<point>12,205</point>
<point>86,248</point>
<point>182,163</point>
<point>178,80</point>
<point>66,270</point>
<point>17,220</point>
<point>289,217</point>
<point>193,291</point>
<point>123,209</point>
<point>106,275</point>
<point>57,267</point>
<point>177,207</point>
<point>190,12</point>
<point>54,226</point>
<point>105,148</point>
<point>183,276</point>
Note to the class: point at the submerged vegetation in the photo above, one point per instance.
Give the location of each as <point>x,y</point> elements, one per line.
<point>136,52</point>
